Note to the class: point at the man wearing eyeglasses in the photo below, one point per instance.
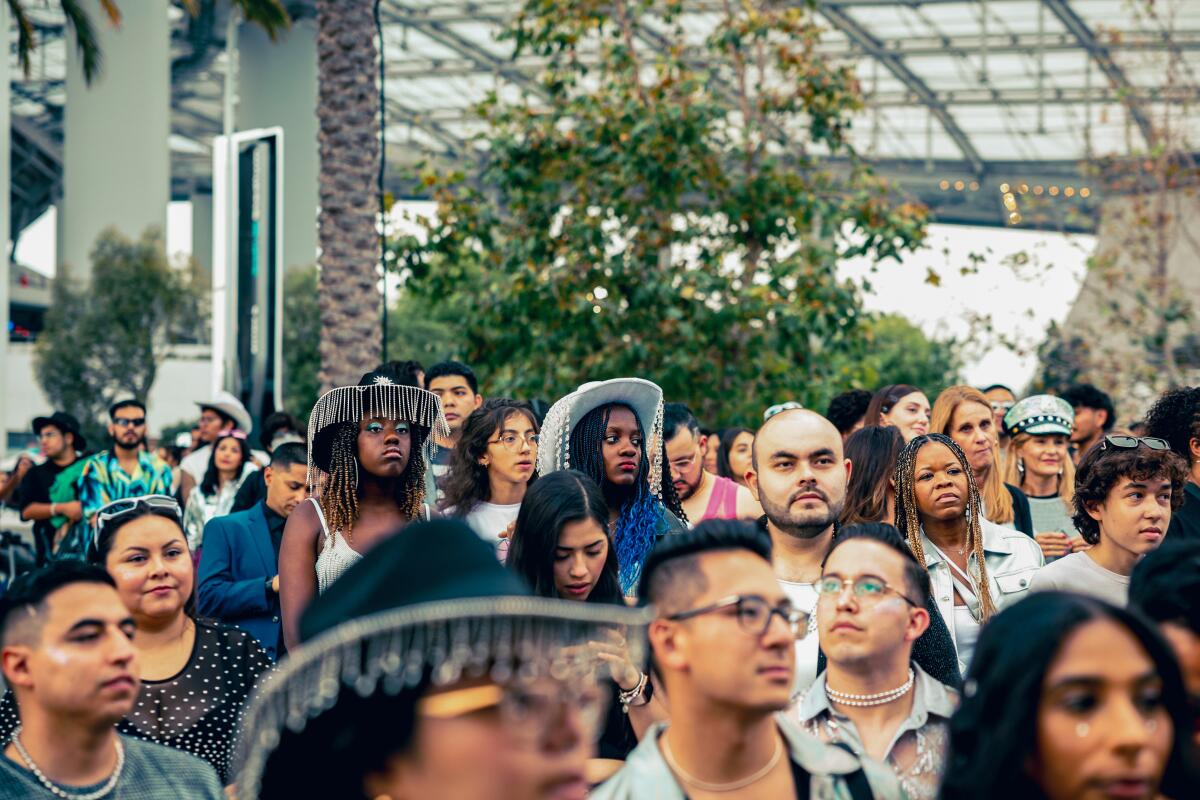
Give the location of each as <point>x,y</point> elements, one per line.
<point>127,469</point>
<point>702,494</point>
<point>723,645</point>
<point>872,696</point>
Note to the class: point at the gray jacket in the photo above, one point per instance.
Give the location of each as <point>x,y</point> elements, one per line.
<point>646,775</point>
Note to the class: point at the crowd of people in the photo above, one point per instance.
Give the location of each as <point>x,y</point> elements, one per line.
<point>423,592</point>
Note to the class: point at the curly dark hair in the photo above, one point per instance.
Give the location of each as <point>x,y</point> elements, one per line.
<point>848,408</point>
<point>466,484</point>
<point>1101,469</point>
<point>1176,417</point>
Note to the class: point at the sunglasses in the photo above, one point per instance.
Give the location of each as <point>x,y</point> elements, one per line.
<point>118,510</point>
<point>125,422</point>
<point>779,408</point>
<point>1131,442</point>
<point>235,434</point>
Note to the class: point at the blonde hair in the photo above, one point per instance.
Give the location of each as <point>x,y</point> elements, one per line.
<point>1066,479</point>
<point>908,517</point>
<point>997,502</point>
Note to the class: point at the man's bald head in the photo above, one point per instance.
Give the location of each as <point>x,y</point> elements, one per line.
<point>797,424</point>
<point>800,472</point>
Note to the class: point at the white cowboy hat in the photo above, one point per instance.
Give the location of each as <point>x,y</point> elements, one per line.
<point>644,397</point>
<point>229,405</point>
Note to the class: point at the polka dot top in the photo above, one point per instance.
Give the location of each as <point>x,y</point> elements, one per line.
<point>199,710</point>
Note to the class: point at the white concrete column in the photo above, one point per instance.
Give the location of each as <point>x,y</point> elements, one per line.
<point>5,211</point>
<point>202,233</point>
<point>277,86</point>
<point>116,162</point>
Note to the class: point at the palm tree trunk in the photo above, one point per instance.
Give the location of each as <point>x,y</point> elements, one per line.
<point>349,117</point>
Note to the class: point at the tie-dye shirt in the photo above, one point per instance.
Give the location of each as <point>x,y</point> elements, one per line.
<point>103,480</point>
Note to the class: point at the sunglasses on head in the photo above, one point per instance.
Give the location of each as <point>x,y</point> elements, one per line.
<point>236,434</point>
<point>1131,442</point>
<point>118,510</point>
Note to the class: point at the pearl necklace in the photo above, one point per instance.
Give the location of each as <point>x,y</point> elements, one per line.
<point>741,783</point>
<point>54,789</point>
<point>877,699</point>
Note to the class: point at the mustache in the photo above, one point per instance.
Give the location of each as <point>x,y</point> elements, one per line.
<point>809,489</point>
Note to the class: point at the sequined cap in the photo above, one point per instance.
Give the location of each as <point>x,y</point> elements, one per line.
<point>1040,415</point>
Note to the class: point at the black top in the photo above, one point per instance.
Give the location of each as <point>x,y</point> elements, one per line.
<point>198,711</point>
<point>35,488</point>
<point>1022,516</point>
<point>275,525</point>
<point>1185,523</point>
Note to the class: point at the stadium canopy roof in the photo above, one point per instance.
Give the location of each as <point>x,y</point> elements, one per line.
<point>962,96</point>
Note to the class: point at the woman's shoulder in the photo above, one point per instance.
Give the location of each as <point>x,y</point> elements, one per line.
<point>232,642</point>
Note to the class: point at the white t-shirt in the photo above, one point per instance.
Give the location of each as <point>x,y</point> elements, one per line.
<point>1077,572</point>
<point>489,520</point>
<point>804,597</point>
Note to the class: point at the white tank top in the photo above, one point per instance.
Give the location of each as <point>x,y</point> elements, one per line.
<point>336,554</point>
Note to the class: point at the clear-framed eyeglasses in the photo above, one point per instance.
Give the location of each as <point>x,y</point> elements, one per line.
<point>513,441</point>
<point>866,588</point>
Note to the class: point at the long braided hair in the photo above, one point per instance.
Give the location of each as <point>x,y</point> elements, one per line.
<point>640,517</point>
<point>908,515</point>
<point>339,497</point>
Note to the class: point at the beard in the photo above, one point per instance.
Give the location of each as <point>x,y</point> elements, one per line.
<point>802,524</point>
<point>689,487</point>
<point>136,444</point>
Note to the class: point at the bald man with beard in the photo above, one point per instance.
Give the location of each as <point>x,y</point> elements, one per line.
<point>799,474</point>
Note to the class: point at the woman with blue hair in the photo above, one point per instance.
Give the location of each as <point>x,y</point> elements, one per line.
<point>612,431</point>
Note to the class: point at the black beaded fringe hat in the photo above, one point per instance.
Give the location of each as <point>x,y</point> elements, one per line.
<point>380,393</point>
<point>411,616</point>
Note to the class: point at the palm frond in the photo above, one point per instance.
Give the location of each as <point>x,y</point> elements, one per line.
<point>85,37</point>
<point>26,39</point>
<point>270,15</point>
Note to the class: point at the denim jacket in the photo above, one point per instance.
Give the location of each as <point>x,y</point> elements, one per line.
<point>1011,558</point>
<point>646,775</point>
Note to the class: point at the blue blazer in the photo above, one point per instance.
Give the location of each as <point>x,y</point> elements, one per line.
<point>236,561</point>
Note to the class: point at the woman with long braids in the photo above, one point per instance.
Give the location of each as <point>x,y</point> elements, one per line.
<point>491,467</point>
<point>600,429</point>
<point>367,450</point>
<point>976,566</point>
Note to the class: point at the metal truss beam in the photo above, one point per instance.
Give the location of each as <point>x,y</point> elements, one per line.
<point>1103,57</point>
<point>895,65</point>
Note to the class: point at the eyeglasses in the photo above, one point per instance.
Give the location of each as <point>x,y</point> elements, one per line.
<point>118,509</point>
<point>527,709</point>
<point>754,614</point>
<point>126,422</point>
<point>867,588</point>
<point>682,464</point>
<point>1131,442</point>
<point>512,441</point>
<point>998,406</point>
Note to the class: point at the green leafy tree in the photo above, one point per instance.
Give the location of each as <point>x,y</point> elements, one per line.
<point>641,214</point>
<point>105,341</point>
<point>899,352</point>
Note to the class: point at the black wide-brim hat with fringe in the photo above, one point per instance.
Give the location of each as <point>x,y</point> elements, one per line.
<point>380,393</point>
<point>428,607</point>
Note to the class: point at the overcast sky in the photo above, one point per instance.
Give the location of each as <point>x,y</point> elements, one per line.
<point>1024,280</point>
